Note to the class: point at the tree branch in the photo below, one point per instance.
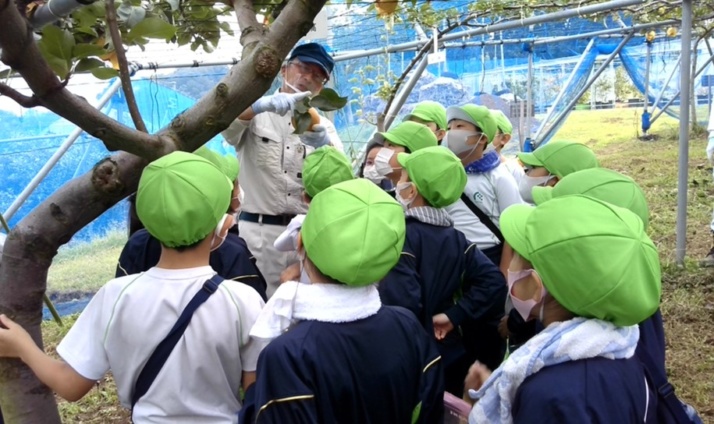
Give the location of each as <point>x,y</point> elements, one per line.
<point>21,99</point>
<point>20,52</point>
<point>111,16</point>
<point>251,31</point>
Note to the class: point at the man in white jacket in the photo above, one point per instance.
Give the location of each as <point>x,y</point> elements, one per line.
<point>708,261</point>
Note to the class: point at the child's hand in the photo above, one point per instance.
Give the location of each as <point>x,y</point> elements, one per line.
<point>442,326</point>
<point>14,340</point>
<point>477,375</point>
<point>291,273</point>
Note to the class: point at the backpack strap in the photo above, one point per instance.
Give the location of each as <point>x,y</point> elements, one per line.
<point>163,350</point>
<point>485,220</point>
<point>665,390</point>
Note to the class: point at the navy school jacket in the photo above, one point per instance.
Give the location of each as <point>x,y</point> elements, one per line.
<point>232,261</point>
<point>376,370</point>
<point>439,271</point>
<point>596,390</point>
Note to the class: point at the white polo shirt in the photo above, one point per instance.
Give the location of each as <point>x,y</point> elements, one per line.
<point>492,192</point>
<point>130,316</point>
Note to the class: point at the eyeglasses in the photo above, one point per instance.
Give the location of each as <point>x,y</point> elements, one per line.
<point>314,74</point>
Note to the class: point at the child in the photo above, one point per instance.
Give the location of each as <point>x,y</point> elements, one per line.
<point>368,169</point>
<point>548,164</point>
<point>345,357</point>
<point>321,169</point>
<point>441,277</point>
<point>503,136</point>
<point>230,256</point>
<point>432,114</point>
<point>489,187</point>
<point>588,270</point>
<point>181,199</point>
<point>407,137</point>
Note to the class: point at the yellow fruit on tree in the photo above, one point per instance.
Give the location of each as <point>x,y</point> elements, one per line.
<point>650,36</point>
<point>671,32</point>
<point>386,7</point>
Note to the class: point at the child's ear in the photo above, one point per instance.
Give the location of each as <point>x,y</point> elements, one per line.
<point>506,138</point>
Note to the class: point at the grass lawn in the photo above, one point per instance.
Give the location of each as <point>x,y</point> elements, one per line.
<point>688,293</point>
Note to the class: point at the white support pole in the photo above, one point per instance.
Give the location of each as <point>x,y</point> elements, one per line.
<point>685,79</point>
<point>15,206</point>
<point>561,94</point>
<point>669,103</point>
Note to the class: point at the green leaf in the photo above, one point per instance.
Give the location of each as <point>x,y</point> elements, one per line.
<point>104,73</point>
<point>328,100</point>
<point>58,65</point>
<point>153,28</point>
<point>302,106</point>
<point>57,42</point>
<point>87,64</point>
<point>302,122</point>
<point>85,50</point>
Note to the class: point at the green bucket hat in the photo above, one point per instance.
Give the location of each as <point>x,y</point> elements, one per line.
<point>354,232</point>
<point>228,164</point>
<point>478,115</point>
<point>323,168</point>
<point>437,173</point>
<point>411,135</point>
<point>429,111</point>
<point>603,184</point>
<point>561,158</point>
<point>594,258</point>
<point>180,200</point>
<point>502,122</point>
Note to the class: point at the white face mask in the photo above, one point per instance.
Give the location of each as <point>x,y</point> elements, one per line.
<point>455,140</point>
<point>526,184</point>
<point>381,162</point>
<point>405,202</point>
<point>370,173</point>
<point>218,233</point>
<point>304,278</point>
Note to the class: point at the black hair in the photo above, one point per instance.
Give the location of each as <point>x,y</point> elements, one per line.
<point>186,248</point>
<point>134,222</point>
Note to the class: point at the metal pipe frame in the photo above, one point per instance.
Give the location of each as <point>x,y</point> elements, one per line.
<point>54,10</point>
<point>405,92</point>
<point>590,82</point>
<point>503,26</point>
<point>648,58</point>
<point>679,92</point>
<point>683,174</point>
<point>47,167</point>
<point>669,79</point>
<point>529,99</point>
<point>561,94</point>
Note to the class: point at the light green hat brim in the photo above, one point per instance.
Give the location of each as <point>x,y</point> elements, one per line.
<point>561,158</point>
<point>411,135</point>
<point>513,226</point>
<point>430,111</point>
<point>479,116</point>
<point>542,194</point>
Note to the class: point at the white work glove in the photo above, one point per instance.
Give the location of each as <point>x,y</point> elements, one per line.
<point>280,103</point>
<point>317,137</point>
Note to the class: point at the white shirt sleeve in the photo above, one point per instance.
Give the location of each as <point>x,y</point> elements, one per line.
<point>234,133</point>
<point>249,304</point>
<point>506,189</point>
<point>332,133</point>
<point>83,346</point>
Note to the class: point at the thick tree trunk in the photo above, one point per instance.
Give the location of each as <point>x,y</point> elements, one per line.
<point>33,243</point>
